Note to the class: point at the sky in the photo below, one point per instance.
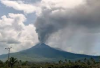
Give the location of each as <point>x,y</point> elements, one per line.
<point>70,25</point>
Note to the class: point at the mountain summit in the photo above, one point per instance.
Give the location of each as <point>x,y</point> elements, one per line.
<point>44,53</point>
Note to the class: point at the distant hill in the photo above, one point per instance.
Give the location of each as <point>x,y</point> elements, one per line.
<point>44,53</point>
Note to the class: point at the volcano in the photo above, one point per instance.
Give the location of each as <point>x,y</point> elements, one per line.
<point>44,53</point>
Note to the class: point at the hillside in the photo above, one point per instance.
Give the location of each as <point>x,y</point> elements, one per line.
<point>44,53</point>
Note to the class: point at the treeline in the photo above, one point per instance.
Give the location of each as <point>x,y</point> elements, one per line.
<point>86,63</point>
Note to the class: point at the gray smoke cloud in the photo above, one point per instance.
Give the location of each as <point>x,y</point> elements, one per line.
<point>76,28</point>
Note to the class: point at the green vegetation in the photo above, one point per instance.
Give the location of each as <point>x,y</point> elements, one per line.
<point>45,53</point>
<point>85,63</point>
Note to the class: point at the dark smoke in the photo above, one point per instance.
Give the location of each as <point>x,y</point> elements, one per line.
<point>70,23</point>
<point>47,24</point>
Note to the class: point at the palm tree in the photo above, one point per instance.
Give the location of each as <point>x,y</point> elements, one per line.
<point>1,63</point>
<point>12,61</point>
<point>69,61</point>
<point>79,61</point>
<point>85,60</point>
<point>66,60</point>
<point>92,60</point>
<point>60,62</point>
<point>19,62</point>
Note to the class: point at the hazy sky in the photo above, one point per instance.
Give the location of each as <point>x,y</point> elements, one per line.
<point>71,25</point>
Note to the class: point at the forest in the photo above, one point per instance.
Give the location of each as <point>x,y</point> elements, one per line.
<point>85,63</point>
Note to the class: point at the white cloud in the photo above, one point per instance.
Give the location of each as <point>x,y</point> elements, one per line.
<point>19,5</point>
<point>62,3</point>
<point>38,6</point>
<point>14,33</point>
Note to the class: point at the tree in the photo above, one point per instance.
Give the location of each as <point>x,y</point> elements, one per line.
<point>69,61</point>
<point>25,63</point>
<point>12,61</point>
<point>60,62</point>
<point>79,61</point>
<point>88,62</point>
<point>85,60</point>
<point>1,63</point>
<point>66,60</point>
<point>92,60</point>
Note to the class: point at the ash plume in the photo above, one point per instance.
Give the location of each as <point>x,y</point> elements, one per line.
<point>76,27</point>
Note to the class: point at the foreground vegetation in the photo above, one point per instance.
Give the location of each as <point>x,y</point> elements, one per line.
<point>86,63</point>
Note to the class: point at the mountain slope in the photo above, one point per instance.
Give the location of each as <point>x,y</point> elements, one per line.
<point>44,53</point>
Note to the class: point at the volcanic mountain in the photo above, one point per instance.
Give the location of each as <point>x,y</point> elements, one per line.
<point>44,53</point>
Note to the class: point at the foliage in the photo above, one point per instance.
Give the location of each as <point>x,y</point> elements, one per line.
<point>85,63</point>
<point>12,61</point>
